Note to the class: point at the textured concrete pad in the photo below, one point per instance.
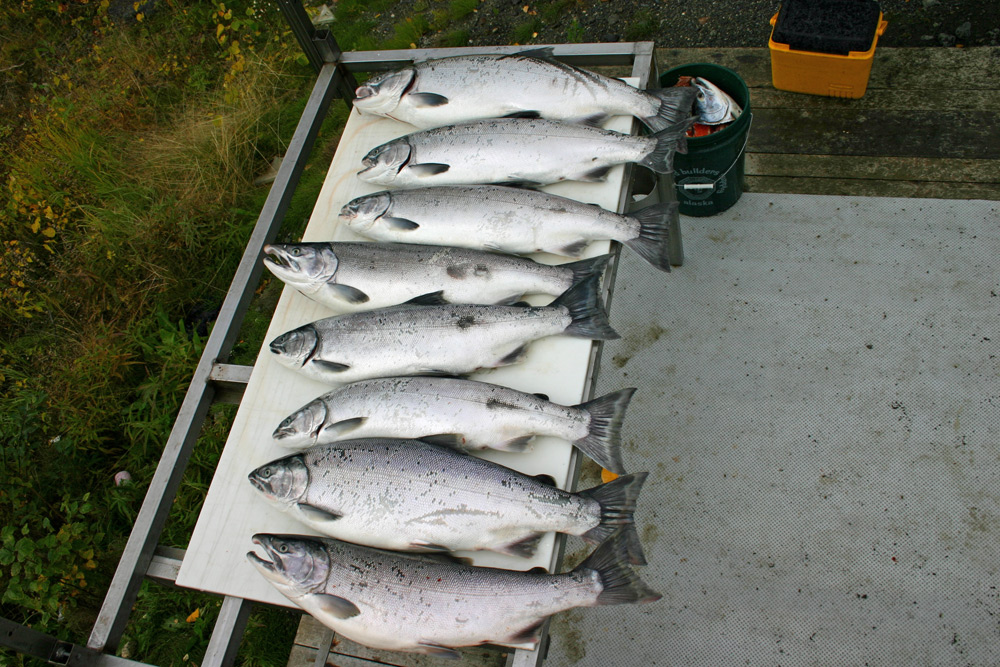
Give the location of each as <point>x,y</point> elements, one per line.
<point>819,409</point>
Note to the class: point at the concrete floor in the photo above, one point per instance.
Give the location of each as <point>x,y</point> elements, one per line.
<point>819,409</point>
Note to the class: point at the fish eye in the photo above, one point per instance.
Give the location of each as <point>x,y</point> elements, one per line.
<point>296,251</point>
<point>283,548</point>
<point>265,473</point>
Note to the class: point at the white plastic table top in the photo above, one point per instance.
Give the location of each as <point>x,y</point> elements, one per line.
<point>234,511</point>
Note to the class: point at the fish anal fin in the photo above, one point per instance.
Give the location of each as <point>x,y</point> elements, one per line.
<point>523,114</point>
<point>530,634</point>
<point>440,651</point>
<point>595,175</point>
<point>329,366</point>
<point>514,356</point>
<point>336,606</point>
<point>427,99</point>
<point>592,120</point>
<point>516,444</point>
<point>523,548</point>
<point>421,545</point>
<point>316,514</point>
<point>400,224</point>
<point>574,249</point>
<point>425,169</point>
<point>350,294</point>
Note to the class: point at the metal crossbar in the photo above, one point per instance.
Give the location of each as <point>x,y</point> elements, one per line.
<point>214,381</point>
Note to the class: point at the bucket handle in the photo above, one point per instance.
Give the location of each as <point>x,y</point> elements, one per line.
<point>711,185</point>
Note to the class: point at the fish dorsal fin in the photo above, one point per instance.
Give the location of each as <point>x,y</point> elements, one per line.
<point>428,99</point>
<point>316,514</point>
<point>336,606</point>
<point>440,651</point>
<point>542,53</point>
<point>430,299</point>
<point>350,294</point>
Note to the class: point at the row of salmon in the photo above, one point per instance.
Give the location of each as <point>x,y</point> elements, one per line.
<point>383,461</point>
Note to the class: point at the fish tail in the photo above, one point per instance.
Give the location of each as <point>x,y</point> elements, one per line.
<point>603,442</point>
<point>619,582</point>
<point>617,500</point>
<point>668,141</point>
<point>676,104</point>
<point>586,268</point>
<point>653,241</point>
<point>589,319</point>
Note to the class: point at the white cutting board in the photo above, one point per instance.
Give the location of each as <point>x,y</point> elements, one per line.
<point>234,511</point>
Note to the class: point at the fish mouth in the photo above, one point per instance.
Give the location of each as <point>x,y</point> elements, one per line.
<point>259,486</point>
<point>273,255</point>
<point>364,92</point>
<point>261,563</point>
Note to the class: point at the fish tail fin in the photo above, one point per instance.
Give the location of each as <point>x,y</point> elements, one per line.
<point>603,442</point>
<point>617,500</point>
<point>585,268</point>
<point>676,104</point>
<point>668,141</point>
<point>589,319</point>
<point>653,242</point>
<point>620,583</point>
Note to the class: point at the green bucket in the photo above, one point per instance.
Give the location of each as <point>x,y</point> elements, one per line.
<point>709,177</point>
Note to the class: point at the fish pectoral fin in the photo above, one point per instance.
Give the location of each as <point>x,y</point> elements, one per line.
<point>337,607</point>
<point>317,514</point>
<point>516,444</point>
<point>329,366</point>
<point>350,294</point>
<point>440,651</point>
<point>427,99</point>
<point>453,440</point>
<point>429,299</point>
<point>400,224</point>
<point>523,548</point>
<point>343,427</point>
<point>428,169</point>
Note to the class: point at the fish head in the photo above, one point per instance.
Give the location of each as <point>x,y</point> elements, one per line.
<point>361,213</point>
<point>303,264</point>
<point>295,565</point>
<point>383,163</point>
<point>301,428</point>
<point>295,347</point>
<point>283,481</point>
<point>713,105</point>
<point>382,93</point>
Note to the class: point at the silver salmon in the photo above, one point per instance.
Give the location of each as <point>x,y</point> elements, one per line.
<point>405,603</point>
<point>531,84</point>
<point>410,495</point>
<point>351,277</point>
<point>516,150</point>
<point>436,339</point>
<point>465,414</point>
<point>507,219</point>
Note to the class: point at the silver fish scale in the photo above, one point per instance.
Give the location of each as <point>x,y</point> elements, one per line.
<point>414,339</point>
<point>400,494</point>
<point>445,604</point>
<point>497,217</point>
<point>486,414</point>
<point>517,149</point>
<point>516,83</point>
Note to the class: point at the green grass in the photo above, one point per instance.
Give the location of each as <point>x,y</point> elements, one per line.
<point>643,26</point>
<point>525,32</point>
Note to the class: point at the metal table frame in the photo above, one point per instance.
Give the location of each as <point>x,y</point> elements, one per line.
<point>216,381</point>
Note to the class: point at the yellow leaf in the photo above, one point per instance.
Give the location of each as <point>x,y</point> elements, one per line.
<point>194,616</point>
<point>139,17</point>
<point>228,15</point>
<point>49,232</point>
<point>35,226</point>
<point>48,212</point>
<point>218,30</point>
